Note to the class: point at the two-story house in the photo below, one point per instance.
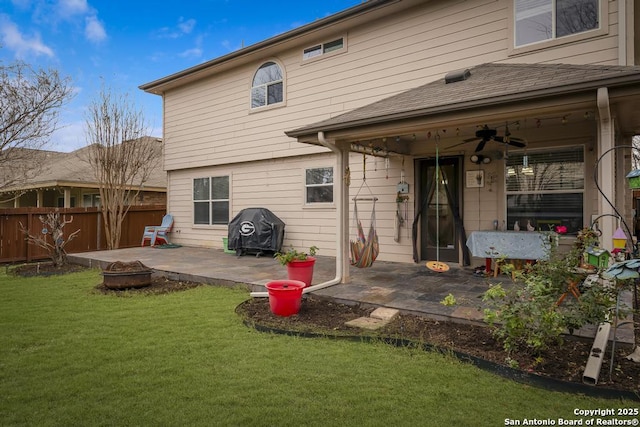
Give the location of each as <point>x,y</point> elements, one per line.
<point>461,115</point>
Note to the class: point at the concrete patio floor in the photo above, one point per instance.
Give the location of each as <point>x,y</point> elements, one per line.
<point>408,287</point>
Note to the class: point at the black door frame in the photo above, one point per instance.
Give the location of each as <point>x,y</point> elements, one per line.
<point>456,190</point>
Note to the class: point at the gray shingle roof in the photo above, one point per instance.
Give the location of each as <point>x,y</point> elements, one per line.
<point>488,84</point>
<point>73,167</point>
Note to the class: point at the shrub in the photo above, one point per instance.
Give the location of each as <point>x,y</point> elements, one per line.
<point>531,315</point>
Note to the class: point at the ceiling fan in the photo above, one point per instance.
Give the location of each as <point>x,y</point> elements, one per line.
<point>486,134</point>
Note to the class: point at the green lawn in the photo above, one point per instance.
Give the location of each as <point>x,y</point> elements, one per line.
<point>72,357</point>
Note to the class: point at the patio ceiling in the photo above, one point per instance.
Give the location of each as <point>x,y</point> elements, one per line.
<point>521,96</point>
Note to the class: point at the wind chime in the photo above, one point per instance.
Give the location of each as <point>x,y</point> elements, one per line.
<point>437,265</point>
<point>402,205</point>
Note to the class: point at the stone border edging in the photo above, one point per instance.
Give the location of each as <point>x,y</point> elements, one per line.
<point>516,375</point>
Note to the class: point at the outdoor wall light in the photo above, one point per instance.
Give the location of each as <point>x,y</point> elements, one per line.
<point>479,158</point>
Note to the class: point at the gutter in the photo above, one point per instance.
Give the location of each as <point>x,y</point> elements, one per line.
<point>45,185</point>
<point>340,228</point>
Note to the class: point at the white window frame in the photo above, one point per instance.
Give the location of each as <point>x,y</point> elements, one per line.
<point>321,49</point>
<point>266,86</point>
<point>211,201</point>
<point>603,30</point>
<point>307,186</point>
<point>92,198</point>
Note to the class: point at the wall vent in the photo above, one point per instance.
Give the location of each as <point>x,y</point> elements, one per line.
<point>457,76</point>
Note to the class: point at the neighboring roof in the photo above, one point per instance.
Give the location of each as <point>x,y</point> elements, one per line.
<point>73,170</point>
<point>367,6</point>
<point>487,85</point>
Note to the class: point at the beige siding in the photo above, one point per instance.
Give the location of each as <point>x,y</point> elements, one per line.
<point>278,185</point>
<point>210,123</point>
<point>210,129</point>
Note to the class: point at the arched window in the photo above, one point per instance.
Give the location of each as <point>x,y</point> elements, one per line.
<point>267,87</point>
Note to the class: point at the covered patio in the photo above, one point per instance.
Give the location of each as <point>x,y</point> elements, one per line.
<point>523,146</point>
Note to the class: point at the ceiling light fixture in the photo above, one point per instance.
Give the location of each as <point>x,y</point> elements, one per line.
<point>479,158</point>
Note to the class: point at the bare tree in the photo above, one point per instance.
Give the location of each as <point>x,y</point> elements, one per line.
<point>121,157</point>
<point>52,237</point>
<point>30,101</point>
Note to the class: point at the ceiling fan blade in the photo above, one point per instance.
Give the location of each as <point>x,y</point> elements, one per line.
<point>457,145</point>
<point>481,145</point>
<point>517,143</point>
<point>470,139</point>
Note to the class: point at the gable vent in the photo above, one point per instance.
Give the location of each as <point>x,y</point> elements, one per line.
<point>457,76</point>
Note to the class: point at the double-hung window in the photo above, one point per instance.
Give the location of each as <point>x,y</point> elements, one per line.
<point>540,20</point>
<point>319,185</point>
<point>545,189</point>
<point>211,200</point>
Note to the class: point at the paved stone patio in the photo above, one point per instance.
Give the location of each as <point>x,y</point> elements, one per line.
<point>407,287</point>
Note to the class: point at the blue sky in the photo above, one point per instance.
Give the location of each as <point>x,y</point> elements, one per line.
<point>135,42</point>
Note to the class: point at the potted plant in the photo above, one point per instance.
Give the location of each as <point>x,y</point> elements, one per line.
<point>299,264</point>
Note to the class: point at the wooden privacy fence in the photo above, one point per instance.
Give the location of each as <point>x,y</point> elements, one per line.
<point>14,247</point>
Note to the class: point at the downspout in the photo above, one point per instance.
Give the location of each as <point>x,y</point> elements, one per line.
<point>606,175</point>
<point>341,195</point>
<point>340,219</point>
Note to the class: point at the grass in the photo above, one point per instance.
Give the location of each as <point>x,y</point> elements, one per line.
<point>70,356</point>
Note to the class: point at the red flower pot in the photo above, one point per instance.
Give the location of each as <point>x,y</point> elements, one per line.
<point>285,297</point>
<point>301,270</point>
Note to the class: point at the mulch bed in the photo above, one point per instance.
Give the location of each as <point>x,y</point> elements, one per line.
<point>565,362</point>
<point>159,285</point>
<point>325,317</point>
<point>43,269</point>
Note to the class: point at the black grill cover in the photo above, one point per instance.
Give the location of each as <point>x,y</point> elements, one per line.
<point>255,230</point>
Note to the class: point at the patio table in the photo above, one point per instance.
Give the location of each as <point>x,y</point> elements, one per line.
<point>524,245</point>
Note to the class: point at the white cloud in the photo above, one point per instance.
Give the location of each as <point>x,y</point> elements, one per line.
<point>231,47</point>
<point>22,4</point>
<point>195,52</point>
<point>157,56</point>
<point>186,26</point>
<point>68,8</point>
<point>182,28</point>
<point>166,33</point>
<point>22,45</point>
<point>94,30</point>
<point>75,11</point>
<point>69,137</point>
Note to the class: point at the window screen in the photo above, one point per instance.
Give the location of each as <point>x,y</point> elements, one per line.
<point>546,189</point>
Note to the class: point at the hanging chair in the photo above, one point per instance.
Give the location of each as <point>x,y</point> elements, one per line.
<point>364,249</point>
